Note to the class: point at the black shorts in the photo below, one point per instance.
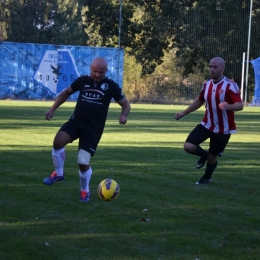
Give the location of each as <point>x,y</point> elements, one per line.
<point>87,142</point>
<point>217,142</point>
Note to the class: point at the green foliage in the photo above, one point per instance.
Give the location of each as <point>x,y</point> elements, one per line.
<point>166,85</point>
<point>195,30</point>
<point>100,19</point>
<point>52,21</point>
<point>149,28</point>
<point>160,213</point>
<point>215,34</point>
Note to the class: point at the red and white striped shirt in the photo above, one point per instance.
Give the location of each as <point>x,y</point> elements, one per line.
<point>215,119</point>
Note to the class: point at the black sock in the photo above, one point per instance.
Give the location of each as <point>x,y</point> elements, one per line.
<point>210,168</point>
<point>200,152</point>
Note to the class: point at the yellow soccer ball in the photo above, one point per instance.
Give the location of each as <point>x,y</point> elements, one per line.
<point>108,189</point>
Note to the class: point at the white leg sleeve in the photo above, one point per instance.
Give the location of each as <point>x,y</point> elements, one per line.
<point>58,158</point>
<point>84,178</point>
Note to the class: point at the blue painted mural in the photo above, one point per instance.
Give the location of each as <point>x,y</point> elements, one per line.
<point>42,71</point>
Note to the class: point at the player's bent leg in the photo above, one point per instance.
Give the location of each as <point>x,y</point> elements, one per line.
<point>189,147</point>
<point>61,140</point>
<point>198,151</point>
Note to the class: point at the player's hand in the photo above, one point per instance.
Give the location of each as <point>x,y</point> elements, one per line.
<point>224,106</point>
<point>122,120</point>
<point>179,115</point>
<point>49,114</point>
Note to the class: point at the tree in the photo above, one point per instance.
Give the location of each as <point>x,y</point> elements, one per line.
<point>215,29</point>
<point>198,30</point>
<point>40,21</point>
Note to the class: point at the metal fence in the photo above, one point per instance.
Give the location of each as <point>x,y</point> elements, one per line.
<point>220,37</point>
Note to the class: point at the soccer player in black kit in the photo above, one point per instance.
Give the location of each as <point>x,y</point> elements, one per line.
<point>87,122</point>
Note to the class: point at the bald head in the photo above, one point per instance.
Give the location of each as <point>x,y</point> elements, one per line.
<point>219,61</point>
<point>99,62</point>
<point>216,68</point>
<point>98,69</point>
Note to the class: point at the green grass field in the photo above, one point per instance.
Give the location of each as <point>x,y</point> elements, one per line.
<point>157,180</point>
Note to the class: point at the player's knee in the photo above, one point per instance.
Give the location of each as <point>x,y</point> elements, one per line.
<point>83,157</point>
<point>189,148</point>
<point>61,140</point>
<point>57,144</point>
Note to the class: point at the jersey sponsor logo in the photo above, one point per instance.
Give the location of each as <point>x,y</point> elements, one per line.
<point>92,94</point>
<point>86,86</point>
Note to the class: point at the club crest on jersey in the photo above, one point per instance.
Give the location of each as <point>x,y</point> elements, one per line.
<point>221,91</point>
<point>104,86</point>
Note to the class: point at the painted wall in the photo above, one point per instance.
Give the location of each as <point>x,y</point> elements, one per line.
<point>42,71</point>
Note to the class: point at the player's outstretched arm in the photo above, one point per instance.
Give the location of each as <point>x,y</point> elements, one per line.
<point>126,107</point>
<point>62,97</point>
<point>196,104</point>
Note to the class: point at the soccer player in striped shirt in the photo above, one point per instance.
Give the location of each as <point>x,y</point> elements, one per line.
<point>221,97</point>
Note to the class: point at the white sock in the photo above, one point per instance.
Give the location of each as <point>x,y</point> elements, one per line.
<point>84,178</point>
<point>58,158</point>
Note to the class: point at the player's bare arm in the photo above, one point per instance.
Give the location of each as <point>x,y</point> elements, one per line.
<point>124,103</point>
<point>62,97</point>
<point>233,107</point>
<point>196,104</point>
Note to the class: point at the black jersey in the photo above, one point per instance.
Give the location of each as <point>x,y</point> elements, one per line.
<point>93,102</point>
